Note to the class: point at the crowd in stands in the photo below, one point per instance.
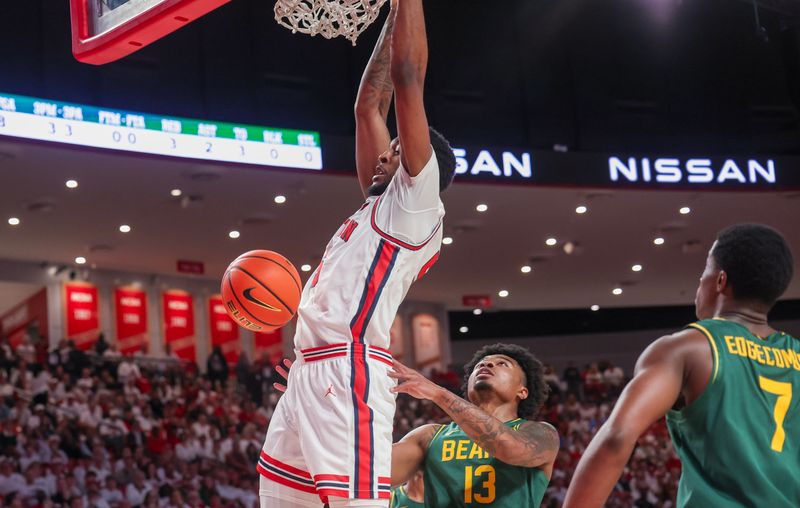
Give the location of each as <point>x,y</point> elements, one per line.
<point>102,430</point>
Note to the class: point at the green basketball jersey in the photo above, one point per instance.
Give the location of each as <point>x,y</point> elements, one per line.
<point>400,499</point>
<point>739,442</point>
<point>458,473</point>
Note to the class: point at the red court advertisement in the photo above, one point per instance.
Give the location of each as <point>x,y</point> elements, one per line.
<point>224,331</point>
<point>178,324</point>
<point>269,345</point>
<point>130,311</point>
<point>82,320</point>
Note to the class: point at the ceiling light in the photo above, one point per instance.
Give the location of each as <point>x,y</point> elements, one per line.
<point>595,308</point>
<point>175,193</point>
<point>13,221</point>
<point>617,291</point>
<point>80,260</point>
<point>124,228</point>
<point>636,268</point>
<point>526,269</point>
<point>447,240</point>
<point>658,241</point>
<point>581,210</point>
<point>305,268</point>
<point>280,199</point>
<point>463,329</point>
<point>482,207</point>
<point>72,184</point>
<point>502,293</point>
<point>477,312</point>
<point>551,242</point>
<point>234,234</point>
<point>685,210</point>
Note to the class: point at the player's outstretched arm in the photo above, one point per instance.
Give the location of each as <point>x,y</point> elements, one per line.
<point>654,389</point>
<point>372,107</point>
<point>409,62</point>
<point>535,444</point>
<point>408,454</point>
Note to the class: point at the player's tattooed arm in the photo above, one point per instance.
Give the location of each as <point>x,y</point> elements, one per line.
<point>375,92</point>
<point>372,107</point>
<point>534,444</point>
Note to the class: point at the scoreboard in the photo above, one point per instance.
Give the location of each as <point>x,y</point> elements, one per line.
<point>74,124</point>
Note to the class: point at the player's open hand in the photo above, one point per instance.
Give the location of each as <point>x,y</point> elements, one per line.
<point>413,383</point>
<point>283,369</point>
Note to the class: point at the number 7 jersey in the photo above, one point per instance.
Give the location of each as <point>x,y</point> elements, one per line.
<point>739,442</point>
<point>459,473</point>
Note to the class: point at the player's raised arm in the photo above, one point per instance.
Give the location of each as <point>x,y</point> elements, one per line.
<point>535,444</point>
<point>372,107</point>
<point>409,62</point>
<point>652,392</point>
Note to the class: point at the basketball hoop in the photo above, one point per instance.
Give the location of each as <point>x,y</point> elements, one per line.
<point>329,18</point>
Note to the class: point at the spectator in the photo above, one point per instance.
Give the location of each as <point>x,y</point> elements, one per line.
<point>614,378</point>
<point>572,377</point>
<point>217,366</point>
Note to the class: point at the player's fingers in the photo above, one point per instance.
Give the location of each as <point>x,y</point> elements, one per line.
<point>280,387</point>
<point>283,372</point>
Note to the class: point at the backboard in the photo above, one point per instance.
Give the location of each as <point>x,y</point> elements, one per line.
<point>106,30</point>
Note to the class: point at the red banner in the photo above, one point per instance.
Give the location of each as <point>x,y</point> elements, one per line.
<point>178,313</point>
<point>30,313</point>
<point>269,346</point>
<point>130,310</point>
<point>224,331</point>
<point>82,317</point>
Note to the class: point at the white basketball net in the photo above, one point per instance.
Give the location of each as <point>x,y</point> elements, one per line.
<point>329,18</point>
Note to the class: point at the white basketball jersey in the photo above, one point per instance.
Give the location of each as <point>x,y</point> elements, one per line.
<point>371,262</point>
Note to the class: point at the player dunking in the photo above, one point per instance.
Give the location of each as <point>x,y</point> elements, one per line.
<point>489,455</point>
<point>330,437</point>
<point>739,380</point>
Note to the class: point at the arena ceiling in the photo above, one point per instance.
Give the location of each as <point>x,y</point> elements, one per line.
<point>488,250</point>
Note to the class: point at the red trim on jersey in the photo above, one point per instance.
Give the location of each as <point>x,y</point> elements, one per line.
<point>385,480</point>
<point>426,268</point>
<point>374,283</point>
<point>316,275</point>
<point>364,452</point>
<point>382,359</point>
<point>334,477</point>
<point>286,467</point>
<point>396,241</point>
<point>285,481</point>
<point>320,348</point>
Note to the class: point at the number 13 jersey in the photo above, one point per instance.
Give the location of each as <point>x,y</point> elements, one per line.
<point>459,473</point>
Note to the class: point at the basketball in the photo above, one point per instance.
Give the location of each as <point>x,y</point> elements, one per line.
<point>261,290</point>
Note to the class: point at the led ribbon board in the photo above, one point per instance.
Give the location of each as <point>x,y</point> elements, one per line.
<point>73,124</point>
<point>663,172</point>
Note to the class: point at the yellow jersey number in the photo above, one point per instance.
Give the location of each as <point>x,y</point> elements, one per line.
<point>486,478</point>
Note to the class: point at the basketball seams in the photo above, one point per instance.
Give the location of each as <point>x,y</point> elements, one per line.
<point>293,273</point>
<point>241,305</point>
<point>285,306</point>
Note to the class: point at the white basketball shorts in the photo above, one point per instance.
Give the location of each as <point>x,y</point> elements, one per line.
<point>331,433</point>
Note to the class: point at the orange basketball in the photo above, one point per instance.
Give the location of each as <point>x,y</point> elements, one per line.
<point>261,290</point>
